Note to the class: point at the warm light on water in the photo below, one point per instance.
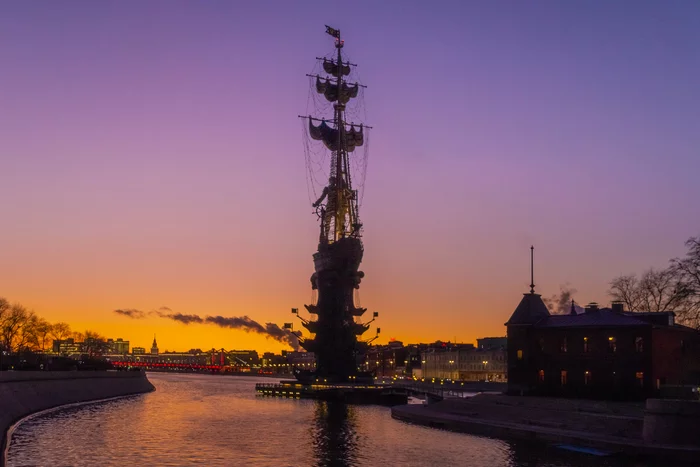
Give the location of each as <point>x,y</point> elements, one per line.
<point>219,421</point>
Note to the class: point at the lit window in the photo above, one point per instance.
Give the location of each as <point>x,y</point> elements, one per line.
<point>520,354</point>
<point>563,377</point>
<point>640,378</point>
<point>541,376</point>
<point>612,344</point>
<point>586,377</point>
<point>585,344</point>
<point>639,344</point>
<point>564,345</point>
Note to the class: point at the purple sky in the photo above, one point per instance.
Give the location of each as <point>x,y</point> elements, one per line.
<point>150,155</point>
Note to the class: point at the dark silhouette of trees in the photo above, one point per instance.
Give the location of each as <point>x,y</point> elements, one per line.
<point>92,344</point>
<point>42,335</point>
<point>675,288</point>
<point>687,271</point>
<point>22,330</point>
<point>60,332</point>
<point>17,328</point>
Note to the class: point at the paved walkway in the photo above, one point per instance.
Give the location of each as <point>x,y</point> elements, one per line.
<point>609,426</point>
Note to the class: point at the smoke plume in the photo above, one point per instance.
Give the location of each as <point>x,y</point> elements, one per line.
<point>131,313</point>
<point>244,323</point>
<point>561,304</point>
<point>185,319</point>
<point>247,324</point>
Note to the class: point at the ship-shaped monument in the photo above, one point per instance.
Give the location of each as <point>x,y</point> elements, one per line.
<point>334,323</point>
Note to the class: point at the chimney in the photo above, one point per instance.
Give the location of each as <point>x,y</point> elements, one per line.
<point>591,307</point>
<point>618,307</point>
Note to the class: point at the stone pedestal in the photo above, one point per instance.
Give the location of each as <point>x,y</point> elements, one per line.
<point>672,422</point>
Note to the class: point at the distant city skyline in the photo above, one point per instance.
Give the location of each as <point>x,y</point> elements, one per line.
<point>151,157</point>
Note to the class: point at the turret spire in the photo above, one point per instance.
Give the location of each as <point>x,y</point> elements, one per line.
<point>532,269</point>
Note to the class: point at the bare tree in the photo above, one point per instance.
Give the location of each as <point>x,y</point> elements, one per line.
<point>42,331</point>
<point>626,289</point>
<point>92,343</point>
<point>60,332</point>
<point>687,271</point>
<point>26,337</point>
<point>13,334</point>
<point>4,313</point>
<point>656,290</point>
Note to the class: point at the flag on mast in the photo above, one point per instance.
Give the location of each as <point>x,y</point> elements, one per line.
<point>333,32</point>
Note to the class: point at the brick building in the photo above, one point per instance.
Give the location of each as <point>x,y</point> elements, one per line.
<point>602,353</point>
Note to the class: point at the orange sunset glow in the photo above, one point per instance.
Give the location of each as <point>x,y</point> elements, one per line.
<point>172,173</point>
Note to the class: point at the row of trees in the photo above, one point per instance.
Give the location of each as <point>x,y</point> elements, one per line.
<point>22,330</point>
<point>675,288</point>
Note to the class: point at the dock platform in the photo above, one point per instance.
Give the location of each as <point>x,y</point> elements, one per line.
<point>377,394</point>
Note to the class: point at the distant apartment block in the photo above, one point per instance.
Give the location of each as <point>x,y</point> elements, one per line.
<point>117,347</point>
<point>66,346</point>
<point>466,363</point>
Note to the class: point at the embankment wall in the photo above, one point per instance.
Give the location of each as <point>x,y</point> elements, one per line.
<point>23,393</point>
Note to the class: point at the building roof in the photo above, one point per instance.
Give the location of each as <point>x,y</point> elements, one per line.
<point>530,310</point>
<point>603,317</point>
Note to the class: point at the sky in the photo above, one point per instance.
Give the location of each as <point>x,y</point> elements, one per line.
<point>150,156</point>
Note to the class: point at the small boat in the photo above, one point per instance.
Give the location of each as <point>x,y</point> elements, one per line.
<point>585,450</point>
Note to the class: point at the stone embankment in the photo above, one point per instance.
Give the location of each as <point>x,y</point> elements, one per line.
<point>23,393</point>
<point>625,428</point>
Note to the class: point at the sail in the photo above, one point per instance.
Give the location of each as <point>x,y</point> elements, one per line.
<point>353,137</point>
<point>331,67</point>
<point>330,90</point>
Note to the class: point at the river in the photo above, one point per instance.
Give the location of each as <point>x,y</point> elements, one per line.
<point>211,420</point>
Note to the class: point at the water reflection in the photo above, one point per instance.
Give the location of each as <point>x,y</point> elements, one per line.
<point>334,435</point>
<point>219,421</point>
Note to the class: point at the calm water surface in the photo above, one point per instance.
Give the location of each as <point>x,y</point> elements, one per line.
<point>219,421</point>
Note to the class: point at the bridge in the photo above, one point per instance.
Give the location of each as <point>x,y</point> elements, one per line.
<point>193,367</point>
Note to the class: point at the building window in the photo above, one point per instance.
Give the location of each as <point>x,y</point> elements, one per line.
<point>639,344</point>
<point>563,377</point>
<point>585,344</point>
<point>586,377</point>
<point>640,378</point>
<point>520,354</point>
<point>541,376</point>
<point>612,344</point>
<point>564,345</point>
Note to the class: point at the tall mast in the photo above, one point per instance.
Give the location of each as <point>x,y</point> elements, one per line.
<point>337,207</point>
<point>339,162</point>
